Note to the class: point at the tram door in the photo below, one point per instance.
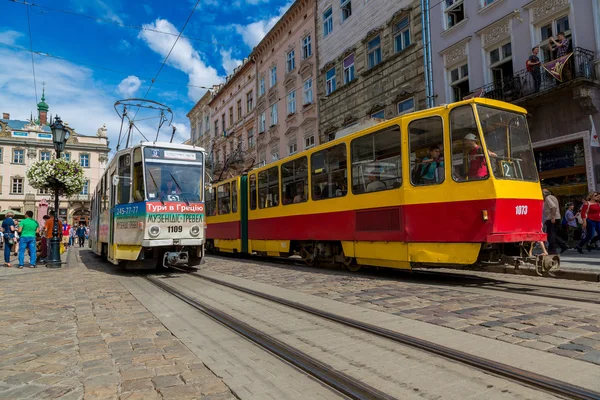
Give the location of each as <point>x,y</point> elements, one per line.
<point>111,220</point>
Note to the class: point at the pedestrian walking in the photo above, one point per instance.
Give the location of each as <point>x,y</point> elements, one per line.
<point>28,230</point>
<point>590,212</point>
<point>81,234</point>
<point>72,236</point>
<point>8,231</point>
<point>551,217</point>
<point>570,224</point>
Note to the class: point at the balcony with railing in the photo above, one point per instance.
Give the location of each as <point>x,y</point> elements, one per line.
<point>525,84</point>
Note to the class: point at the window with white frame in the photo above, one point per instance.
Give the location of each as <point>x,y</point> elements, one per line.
<point>346,6</point>
<point>216,127</point>
<point>551,29</point>
<point>308,92</point>
<point>309,142</point>
<point>274,155</point>
<point>16,186</point>
<point>84,160</point>
<point>45,155</point>
<point>379,114</point>
<point>239,109</point>
<point>261,87</point>
<point>18,156</point>
<point>86,188</point>
<point>44,191</point>
<point>1,155</point>
<point>401,35</point>
<point>273,114</point>
<point>485,3</point>
<point>459,82</point>
<point>348,64</point>
<point>261,122</point>
<point>206,123</point>
<point>291,61</point>
<point>454,12</point>
<point>330,81</point>
<point>374,52</point>
<point>327,22</point>
<point>406,106</point>
<point>306,47</point>
<point>500,61</point>
<point>273,76</point>
<point>291,102</point>
<point>292,147</point>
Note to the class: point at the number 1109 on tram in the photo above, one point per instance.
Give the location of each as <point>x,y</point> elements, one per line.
<point>148,209</point>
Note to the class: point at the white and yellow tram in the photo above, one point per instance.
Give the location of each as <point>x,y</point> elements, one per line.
<point>148,209</point>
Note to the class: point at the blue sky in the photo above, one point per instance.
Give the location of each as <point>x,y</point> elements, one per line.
<point>223,31</point>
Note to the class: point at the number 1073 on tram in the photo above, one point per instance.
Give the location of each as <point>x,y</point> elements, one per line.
<point>148,209</point>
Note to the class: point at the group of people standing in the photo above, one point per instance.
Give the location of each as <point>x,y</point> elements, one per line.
<point>27,235</point>
<point>588,217</point>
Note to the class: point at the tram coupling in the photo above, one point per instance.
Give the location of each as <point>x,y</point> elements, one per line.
<point>175,259</point>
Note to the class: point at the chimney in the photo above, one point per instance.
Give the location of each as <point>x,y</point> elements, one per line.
<point>5,116</point>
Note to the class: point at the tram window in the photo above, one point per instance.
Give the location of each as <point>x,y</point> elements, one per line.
<point>211,202</point>
<point>294,181</point>
<point>329,172</point>
<point>138,176</point>
<point>426,143</point>
<point>377,161</point>
<point>252,192</point>
<point>468,160</point>
<point>234,197</point>
<point>507,138</point>
<point>112,191</point>
<point>106,194</point>
<point>224,198</point>
<point>124,184</point>
<point>268,188</point>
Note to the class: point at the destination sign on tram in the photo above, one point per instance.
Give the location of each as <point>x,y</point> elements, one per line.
<point>175,155</point>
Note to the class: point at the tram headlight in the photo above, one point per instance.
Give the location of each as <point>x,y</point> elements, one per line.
<point>195,230</point>
<point>154,231</point>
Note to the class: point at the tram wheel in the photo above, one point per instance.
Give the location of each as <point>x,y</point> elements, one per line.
<point>351,265</point>
<point>307,256</point>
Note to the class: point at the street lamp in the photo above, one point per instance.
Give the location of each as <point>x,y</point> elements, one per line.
<point>59,134</point>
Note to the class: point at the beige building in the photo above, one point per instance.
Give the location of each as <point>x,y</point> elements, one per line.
<point>23,142</point>
<point>233,122</point>
<point>286,102</point>
<point>370,63</point>
<point>200,123</point>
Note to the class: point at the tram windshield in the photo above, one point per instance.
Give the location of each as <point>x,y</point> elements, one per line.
<point>507,138</point>
<point>173,175</point>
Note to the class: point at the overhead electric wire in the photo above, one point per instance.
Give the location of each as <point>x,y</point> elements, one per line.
<point>32,61</point>
<point>98,66</point>
<point>168,54</point>
<point>110,21</point>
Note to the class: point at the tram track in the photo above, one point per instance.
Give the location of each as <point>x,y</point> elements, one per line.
<point>456,280</point>
<point>350,386</point>
<point>337,380</point>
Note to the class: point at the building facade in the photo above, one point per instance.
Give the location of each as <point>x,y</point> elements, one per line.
<point>233,122</point>
<point>286,102</point>
<point>480,48</point>
<point>200,123</point>
<point>23,142</point>
<point>370,63</point>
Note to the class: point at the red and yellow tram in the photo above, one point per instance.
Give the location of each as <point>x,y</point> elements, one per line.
<point>451,185</point>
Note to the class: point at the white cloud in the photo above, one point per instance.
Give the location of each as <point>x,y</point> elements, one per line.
<point>253,33</point>
<point>229,63</point>
<point>182,133</point>
<point>129,86</point>
<point>102,7</point>
<point>10,37</point>
<point>124,45</point>
<point>183,57</point>
<point>148,9</point>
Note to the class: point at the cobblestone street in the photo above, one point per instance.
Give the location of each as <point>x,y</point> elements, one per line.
<point>77,333</point>
<point>562,327</point>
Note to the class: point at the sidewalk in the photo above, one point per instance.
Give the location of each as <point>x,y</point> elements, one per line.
<point>76,332</point>
<point>589,261</point>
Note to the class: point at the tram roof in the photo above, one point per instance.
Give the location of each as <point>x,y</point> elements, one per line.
<point>167,145</point>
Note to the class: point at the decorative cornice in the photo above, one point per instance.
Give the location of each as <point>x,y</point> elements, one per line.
<point>497,31</point>
<point>376,107</point>
<point>455,53</point>
<point>542,9</point>
<point>372,33</point>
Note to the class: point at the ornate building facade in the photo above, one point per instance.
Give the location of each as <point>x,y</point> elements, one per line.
<point>286,101</point>
<point>200,125</point>
<point>480,48</point>
<point>23,142</point>
<point>370,63</point>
